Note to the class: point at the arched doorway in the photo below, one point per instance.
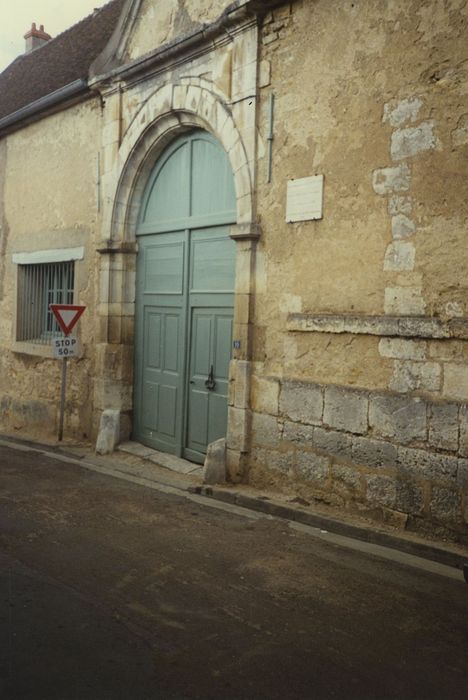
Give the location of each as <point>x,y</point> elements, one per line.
<point>185,298</point>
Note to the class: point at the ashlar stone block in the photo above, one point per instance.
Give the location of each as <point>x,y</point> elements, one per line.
<point>345,410</point>
<point>389,180</point>
<point>374,453</point>
<point>409,498</point>
<point>402,349</point>
<point>400,418</point>
<point>445,505</point>
<point>410,376</point>
<point>313,467</point>
<point>443,426</point>
<point>399,257</point>
<point>265,430</point>
<point>455,381</point>
<point>397,113</point>
<point>413,140</point>
<point>402,226</point>
<point>430,466</point>
<point>462,475</point>
<point>463,419</point>
<point>404,300</point>
<point>382,490</point>
<point>298,433</point>
<point>333,442</point>
<point>302,402</point>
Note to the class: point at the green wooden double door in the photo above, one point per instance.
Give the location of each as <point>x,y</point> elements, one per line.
<point>184,299</point>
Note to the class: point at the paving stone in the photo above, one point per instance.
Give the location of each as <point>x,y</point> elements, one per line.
<point>345,410</point>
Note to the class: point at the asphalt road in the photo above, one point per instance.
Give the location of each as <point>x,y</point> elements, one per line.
<point>112,590</point>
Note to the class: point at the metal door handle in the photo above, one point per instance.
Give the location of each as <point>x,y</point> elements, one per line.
<point>210,382</point>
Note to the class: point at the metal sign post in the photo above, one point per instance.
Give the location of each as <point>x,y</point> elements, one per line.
<point>62,397</point>
<point>66,316</point>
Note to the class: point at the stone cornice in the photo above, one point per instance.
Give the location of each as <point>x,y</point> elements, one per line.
<point>393,326</point>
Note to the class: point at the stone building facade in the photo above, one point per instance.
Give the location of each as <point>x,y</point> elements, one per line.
<point>345,126</point>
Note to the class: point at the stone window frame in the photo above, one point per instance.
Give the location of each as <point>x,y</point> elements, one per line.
<point>50,256</point>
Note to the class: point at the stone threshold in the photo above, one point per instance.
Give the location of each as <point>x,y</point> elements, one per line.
<point>162,459</point>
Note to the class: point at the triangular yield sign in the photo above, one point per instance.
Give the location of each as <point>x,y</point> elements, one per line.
<point>67,315</point>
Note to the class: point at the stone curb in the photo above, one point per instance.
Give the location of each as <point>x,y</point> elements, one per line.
<point>338,527</point>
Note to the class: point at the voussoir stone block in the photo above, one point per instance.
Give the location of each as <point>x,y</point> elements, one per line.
<point>400,418</point>
<point>345,410</point>
<point>302,402</point>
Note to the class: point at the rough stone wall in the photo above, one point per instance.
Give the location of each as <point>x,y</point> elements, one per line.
<point>374,97</point>
<point>160,21</point>
<point>48,201</point>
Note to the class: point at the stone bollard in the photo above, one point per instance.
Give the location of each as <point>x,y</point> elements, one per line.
<point>214,470</point>
<point>109,432</point>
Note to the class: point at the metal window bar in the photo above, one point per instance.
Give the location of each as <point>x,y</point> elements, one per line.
<point>38,287</point>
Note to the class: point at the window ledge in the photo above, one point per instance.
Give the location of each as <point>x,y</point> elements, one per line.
<point>32,348</point>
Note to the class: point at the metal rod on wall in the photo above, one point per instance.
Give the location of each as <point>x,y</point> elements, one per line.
<point>271,120</point>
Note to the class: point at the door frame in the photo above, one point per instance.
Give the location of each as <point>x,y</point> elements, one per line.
<point>157,120</point>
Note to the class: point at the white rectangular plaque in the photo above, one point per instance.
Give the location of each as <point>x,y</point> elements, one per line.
<point>66,347</point>
<point>305,199</point>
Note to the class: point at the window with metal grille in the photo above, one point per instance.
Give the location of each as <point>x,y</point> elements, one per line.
<point>38,287</point>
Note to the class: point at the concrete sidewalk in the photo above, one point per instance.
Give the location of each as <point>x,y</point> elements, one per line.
<point>140,465</point>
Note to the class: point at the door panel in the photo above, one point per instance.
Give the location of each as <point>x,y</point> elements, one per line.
<point>210,356</point>
<point>161,376</point>
<point>184,300</point>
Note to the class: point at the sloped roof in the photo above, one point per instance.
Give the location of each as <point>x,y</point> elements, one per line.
<point>61,61</point>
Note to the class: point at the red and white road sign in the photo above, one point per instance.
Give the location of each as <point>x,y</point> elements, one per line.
<point>67,315</point>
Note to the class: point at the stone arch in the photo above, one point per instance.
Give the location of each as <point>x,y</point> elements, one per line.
<point>172,109</point>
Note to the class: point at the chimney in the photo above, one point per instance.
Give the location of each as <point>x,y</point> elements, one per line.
<point>36,37</point>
